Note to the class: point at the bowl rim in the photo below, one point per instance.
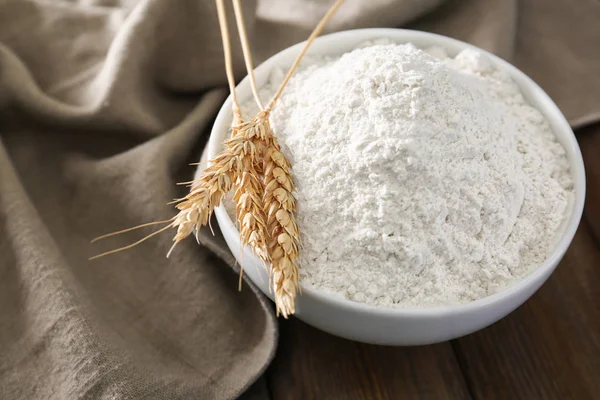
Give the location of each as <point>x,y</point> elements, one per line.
<point>547,107</point>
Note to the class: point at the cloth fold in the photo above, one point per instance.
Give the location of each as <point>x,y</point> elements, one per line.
<point>103,104</point>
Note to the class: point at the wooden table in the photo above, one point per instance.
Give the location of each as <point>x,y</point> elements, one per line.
<point>549,348</point>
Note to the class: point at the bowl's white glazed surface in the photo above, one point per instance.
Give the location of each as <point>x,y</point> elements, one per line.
<point>401,326</point>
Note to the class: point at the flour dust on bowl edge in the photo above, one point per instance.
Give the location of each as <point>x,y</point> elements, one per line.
<point>406,326</point>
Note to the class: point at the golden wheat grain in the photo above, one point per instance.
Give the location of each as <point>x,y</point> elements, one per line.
<point>249,214</point>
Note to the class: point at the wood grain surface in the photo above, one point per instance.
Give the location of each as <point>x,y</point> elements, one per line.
<point>549,348</point>
<point>589,142</point>
<point>311,364</point>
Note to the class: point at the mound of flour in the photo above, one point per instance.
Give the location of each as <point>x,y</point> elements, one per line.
<point>421,179</point>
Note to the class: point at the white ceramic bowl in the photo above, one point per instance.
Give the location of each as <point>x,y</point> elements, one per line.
<point>402,326</point>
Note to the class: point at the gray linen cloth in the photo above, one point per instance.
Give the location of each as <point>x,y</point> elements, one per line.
<point>102,106</point>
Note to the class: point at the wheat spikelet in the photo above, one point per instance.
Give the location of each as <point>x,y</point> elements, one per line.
<point>249,214</point>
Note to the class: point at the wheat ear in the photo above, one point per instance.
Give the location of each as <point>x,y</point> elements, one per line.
<point>206,192</point>
<point>280,246</point>
<point>249,188</point>
<point>278,201</point>
<point>280,208</point>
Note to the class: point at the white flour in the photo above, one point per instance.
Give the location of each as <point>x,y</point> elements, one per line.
<point>422,180</point>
